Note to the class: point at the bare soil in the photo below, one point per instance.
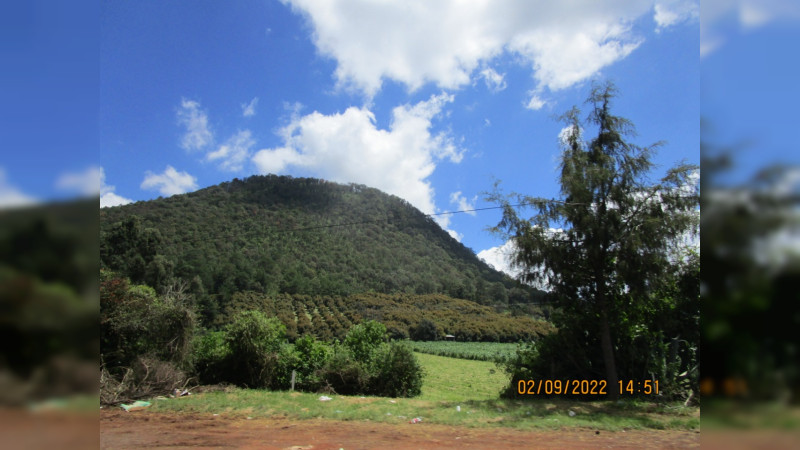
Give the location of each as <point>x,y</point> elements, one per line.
<point>120,429</point>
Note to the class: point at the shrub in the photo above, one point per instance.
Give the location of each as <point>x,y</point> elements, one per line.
<point>343,373</point>
<point>135,321</point>
<point>307,358</point>
<point>254,341</point>
<point>364,338</point>
<point>425,331</point>
<point>396,372</point>
<point>210,353</point>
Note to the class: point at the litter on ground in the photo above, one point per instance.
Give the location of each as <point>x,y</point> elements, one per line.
<point>179,393</point>
<point>324,398</point>
<point>135,406</point>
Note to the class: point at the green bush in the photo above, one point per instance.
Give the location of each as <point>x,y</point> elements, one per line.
<point>307,358</point>
<point>254,341</point>
<point>364,338</point>
<point>396,372</point>
<point>210,354</point>
<point>135,321</point>
<point>425,331</point>
<point>343,373</point>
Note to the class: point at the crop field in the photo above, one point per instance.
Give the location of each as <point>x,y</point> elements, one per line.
<point>480,351</point>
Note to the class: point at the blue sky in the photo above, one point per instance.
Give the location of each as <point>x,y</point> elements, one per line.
<point>429,101</point>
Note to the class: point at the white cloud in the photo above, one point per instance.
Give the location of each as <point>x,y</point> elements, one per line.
<point>249,109</point>
<point>170,182</point>
<point>107,196</point>
<point>110,199</point>
<point>457,198</point>
<point>198,135</point>
<point>535,103</point>
<point>348,147</point>
<point>234,152</point>
<point>672,12</point>
<point>714,28</point>
<point>10,196</point>
<point>757,13</point>
<point>563,42</point>
<point>495,82</point>
<point>87,183</point>
<point>499,257</point>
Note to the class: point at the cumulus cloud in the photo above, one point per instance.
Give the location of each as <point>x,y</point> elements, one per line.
<point>457,198</point>
<point>495,82</point>
<point>349,147</point>
<point>249,109</point>
<point>12,197</point>
<point>170,182</point>
<point>234,152</point>
<point>195,120</point>
<point>667,13</point>
<point>86,183</point>
<point>108,197</point>
<point>499,257</point>
<point>563,42</point>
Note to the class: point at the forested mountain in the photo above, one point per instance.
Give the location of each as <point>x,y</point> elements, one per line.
<point>283,235</point>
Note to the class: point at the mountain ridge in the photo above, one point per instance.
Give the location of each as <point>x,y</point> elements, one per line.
<point>284,235</point>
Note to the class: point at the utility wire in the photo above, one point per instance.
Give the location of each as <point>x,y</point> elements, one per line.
<point>363,222</point>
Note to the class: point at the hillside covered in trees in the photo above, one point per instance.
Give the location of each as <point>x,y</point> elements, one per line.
<point>276,235</point>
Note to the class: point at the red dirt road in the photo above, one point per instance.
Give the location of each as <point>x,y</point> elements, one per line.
<point>120,430</point>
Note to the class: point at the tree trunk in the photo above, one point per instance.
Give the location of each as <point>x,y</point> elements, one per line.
<point>608,356</point>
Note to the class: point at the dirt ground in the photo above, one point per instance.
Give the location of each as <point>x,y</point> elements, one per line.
<point>120,429</point>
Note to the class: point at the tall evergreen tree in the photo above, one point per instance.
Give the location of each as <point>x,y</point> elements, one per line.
<point>604,246</point>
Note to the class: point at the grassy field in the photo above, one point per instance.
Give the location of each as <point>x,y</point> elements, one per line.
<point>482,351</point>
<point>456,392</point>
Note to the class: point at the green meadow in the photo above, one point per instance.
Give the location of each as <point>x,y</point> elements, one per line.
<point>455,392</point>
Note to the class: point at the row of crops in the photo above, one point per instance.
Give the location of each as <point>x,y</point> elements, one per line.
<point>483,351</point>
<point>329,317</point>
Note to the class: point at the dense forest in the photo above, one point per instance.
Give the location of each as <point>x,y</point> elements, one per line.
<point>276,235</point>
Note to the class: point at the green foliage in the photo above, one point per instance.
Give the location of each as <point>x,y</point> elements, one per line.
<point>135,322</point>
<point>480,351</point>
<point>396,371</point>
<point>343,373</point>
<point>211,352</point>
<point>329,318</point>
<point>254,341</point>
<point>307,359</point>
<point>363,339</point>
<point>425,331</point>
<point>611,267</point>
<point>276,235</point>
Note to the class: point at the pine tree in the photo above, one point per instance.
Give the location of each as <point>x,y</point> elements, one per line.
<point>604,246</point>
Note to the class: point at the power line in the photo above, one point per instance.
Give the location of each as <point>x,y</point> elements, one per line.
<point>363,222</point>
